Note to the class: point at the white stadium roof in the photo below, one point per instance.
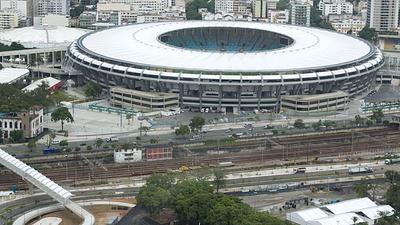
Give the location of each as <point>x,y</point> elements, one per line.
<point>11,75</point>
<point>41,37</point>
<point>312,48</point>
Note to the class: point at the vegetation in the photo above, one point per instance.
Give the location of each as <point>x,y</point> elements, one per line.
<point>31,145</point>
<point>317,21</point>
<point>16,136</point>
<point>368,34</point>
<point>76,11</point>
<point>62,114</point>
<point>192,8</point>
<point>283,4</point>
<point>13,99</point>
<point>299,124</point>
<point>92,90</point>
<point>377,115</point>
<point>98,142</point>
<point>182,130</point>
<point>14,46</point>
<point>194,202</point>
<point>197,123</point>
<point>219,179</point>
<point>64,143</point>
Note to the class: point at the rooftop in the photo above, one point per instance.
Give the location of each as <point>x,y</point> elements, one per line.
<point>11,75</point>
<point>41,37</point>
<point>312,48</point>
<point>49,80</point>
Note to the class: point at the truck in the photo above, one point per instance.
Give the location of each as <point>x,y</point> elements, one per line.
<point>392,161</point>
<point>360,170</point>
<point>50,150</point>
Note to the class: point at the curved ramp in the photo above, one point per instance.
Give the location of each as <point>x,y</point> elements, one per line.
<point>45,184</point>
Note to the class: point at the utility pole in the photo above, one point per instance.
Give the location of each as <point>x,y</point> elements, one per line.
<point>352,144</point>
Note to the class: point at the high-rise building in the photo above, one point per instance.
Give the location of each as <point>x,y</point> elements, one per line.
<point>383,15</point>
<point>44,7</point>
<point>233,6</point>
<point>8,18</point>
<point>300,12</point>
<point>261,7</point>
<point>21,7</point>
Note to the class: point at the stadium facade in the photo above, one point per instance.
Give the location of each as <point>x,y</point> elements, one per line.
<point>229,66</point>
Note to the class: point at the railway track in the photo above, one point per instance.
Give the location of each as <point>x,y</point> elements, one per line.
<point>289,148</point>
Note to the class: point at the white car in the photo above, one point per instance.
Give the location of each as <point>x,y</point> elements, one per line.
<point>112,139</point>
<point>55,142</point>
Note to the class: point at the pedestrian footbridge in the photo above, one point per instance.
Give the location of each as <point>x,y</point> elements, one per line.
<point>45,184</point>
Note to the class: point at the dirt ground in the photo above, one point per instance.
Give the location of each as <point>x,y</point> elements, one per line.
<point>102,213</point>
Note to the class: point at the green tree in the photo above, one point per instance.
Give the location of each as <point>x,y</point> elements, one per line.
<point>144,129</point>
<point>16,136</point>
<point>153,141</point>
<point>299,124</point>
<point>31,145</point>
<point>219,179</point>
<point>358,120</point>
<point>283,4</point>
<point>62,114</point>
<point>98,142</point>
<point>192,8</point>
<point>362,189</point>
<point>182,130</point>
<point>63,143</point>
<point>377,115</point>
<point>196,123</point>
<point>392,176</point>
<point>368,34</point>
<point>392,196</point>
<point>152,198</point>
<point>92,90</point>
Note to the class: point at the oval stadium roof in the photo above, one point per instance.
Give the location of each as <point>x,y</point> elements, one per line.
<point>312,48</point>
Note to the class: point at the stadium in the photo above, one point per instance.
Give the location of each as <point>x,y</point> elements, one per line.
<point>226,66</point>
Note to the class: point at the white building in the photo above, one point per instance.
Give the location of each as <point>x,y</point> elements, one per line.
<point>20,6</point>
<point>300,12</point>
<point>342,213</point>
<point>127,155</point>
<point>279,16</point>
<point>344,26</point>
<point>8,19</point>
<point>233,6</point>
<point>30,122</point>
<point>45,7</point>
<point>383,15</point>
<point>335,7</point>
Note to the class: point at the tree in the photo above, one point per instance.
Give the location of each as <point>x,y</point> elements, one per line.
<point>196,123</point>
<point>377,115</point>
<point>64,143</point>
<point>144,129</point>
<point>283,4</point>
<point>31,145</point>
<point>62,114</point>
<point>219,179</point>
<point>368,34</point>
<point>362,189</point>
<point>358,120</point>
<point>192,8</point>
<point>182,130</point>
<point>153,141</point>
<point>129,117</point>
<point>98,142</point>
<point>299,124</point>
<point>152,198</point>
<point>92,90</point>
<point>369,123</point>
<point>16,136</point>
<point>392,196</point>
<point>392,176</point>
